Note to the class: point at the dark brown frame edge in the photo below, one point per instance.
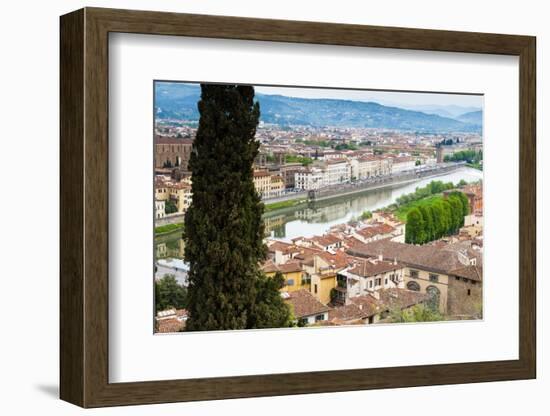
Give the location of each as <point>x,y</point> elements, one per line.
<point>84,207</point>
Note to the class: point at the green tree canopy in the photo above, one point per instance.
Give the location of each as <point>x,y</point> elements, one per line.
<point>169,294</point>
<point>414,231</point>
<point>270,311</point>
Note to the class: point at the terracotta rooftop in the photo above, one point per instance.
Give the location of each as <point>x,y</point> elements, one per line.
<point>376,229</point>
<point>325,240</point>
<point>172,140</point>
<point>289,267</point>
<point>347,313</point>
<point>469,272</point>
<point>338,260</point>
<point>261,173</point>
<point>369,267</point>
<point>305,304</point>
<point>439,259</point>
<point>395,298</point>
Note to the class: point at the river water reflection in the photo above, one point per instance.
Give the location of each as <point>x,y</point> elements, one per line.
<point>316,219</point>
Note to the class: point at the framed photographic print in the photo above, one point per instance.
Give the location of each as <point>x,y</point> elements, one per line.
<point>261,207</point>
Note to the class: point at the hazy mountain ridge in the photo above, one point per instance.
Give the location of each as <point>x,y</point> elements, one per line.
<point>473,117</point>
<point>179,101</point>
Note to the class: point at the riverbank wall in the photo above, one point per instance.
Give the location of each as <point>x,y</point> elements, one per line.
<point>175,218</point>
<point>396,180</point>
<point>376,183</point>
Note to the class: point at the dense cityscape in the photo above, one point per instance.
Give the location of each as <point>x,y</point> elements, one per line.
<point>415,256</point>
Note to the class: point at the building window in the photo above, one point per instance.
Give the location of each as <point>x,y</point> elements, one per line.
<point>378,281</point>
<point>370,283</point>
<point>386,281</point>
<point>414,274</point>
<point>457,278</point>
<point>320,318</point>
<point>315,288</point>
<point>434,277</point>
<point>469,292</point>
<point>413,286</point>
<point>290,282</point>
<point>434,294</point>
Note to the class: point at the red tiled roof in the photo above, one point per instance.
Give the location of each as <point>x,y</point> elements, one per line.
<point>305,304</point>
<point>429,257</point>
<point>289,267</point>
<point>377,229</point>
<point>368,268</point>
<point>469,272</point>
<point>172,140</point>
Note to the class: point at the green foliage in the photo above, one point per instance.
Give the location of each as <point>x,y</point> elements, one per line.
<point>170,206</point>
<point>305,161</point>
<point>366,215</point>
<point>469,156</point>
<point>435,217</point>
<point>417,163</point>
<point>417,313</point>
<point>224,228</point>
<point>434,187</point>
<point>345,146</point>
<point>414,231</point>
<point>283,204</point>
<point>270,310</point>
<point>320,143</point>
<point>168,228</point>
<point>427,216</point>
<point>169,294</point>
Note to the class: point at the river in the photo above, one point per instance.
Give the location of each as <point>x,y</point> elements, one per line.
<point>317,218</point>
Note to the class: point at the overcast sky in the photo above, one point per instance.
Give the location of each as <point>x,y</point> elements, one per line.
<point>382,97</point>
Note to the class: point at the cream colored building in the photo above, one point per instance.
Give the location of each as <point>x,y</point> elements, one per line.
<point>277,186</point>
<point>308,179</point>
<point>337,171</point>
<point>262,183</point>
<point>159,209</point>
<point>179,192</point>
<point>364,167</point>
<point>369,276</point>
<point>402,164</point>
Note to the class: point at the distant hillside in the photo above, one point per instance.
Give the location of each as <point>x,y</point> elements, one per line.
<point>449,111</point>
<point>179,101</point>
<point>474,117</point>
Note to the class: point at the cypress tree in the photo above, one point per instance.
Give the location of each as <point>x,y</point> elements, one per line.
<point>456,212</point>
<point>439,220</point>
<point>448,216</point>
<point>427,217</point>
<point>414,230</point>
<point>270,310</point>
<point>223,226</point>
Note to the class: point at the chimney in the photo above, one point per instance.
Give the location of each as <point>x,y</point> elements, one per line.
<point>361,306</point>
<point>395,260</point>
<point>380,257</point>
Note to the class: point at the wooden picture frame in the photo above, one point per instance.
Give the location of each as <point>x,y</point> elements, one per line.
<point>84,207</point>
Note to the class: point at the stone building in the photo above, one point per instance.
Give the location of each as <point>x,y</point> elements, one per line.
<point>433,269</point>
<point>262,182</point>
<point>465,296</point>
<point>288,172</point>
<point>172,152</point>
